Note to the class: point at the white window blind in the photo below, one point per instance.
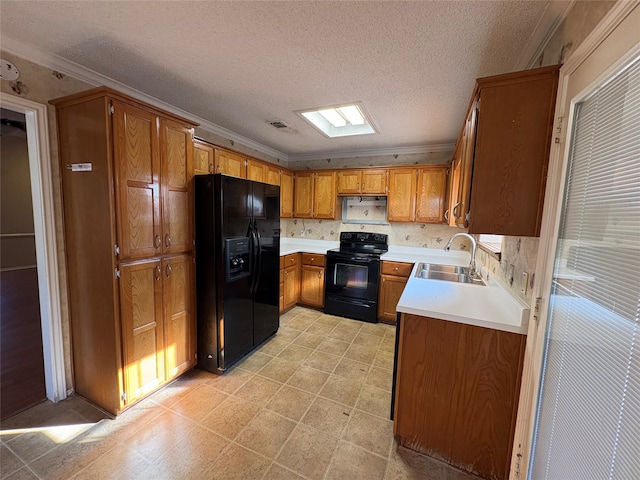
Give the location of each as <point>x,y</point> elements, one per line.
<point>588,423</point>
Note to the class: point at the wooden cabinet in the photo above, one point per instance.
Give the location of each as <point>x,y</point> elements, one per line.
<point>203,158</point>
<point>286,194</point>
<point>324,195</point>
<point>417,194</point>
<point>312,280</point>
<point>291,280</point>
<point>362,182</point>
<point>256,171</point>
<point>303,195</point>
<point>272,174</point>
<point>127,222</point>
<point>456,394</point>
<point>230,163</point>
<point>453,190</point>
<point>393,278</point>
<point>507,136</point>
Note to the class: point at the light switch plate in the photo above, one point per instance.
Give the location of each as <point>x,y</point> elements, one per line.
<point>525,283</point>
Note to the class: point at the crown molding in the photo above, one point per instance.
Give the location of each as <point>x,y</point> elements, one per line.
<point>59,64</point>
<point>374,152</point>
<point>553,16</point>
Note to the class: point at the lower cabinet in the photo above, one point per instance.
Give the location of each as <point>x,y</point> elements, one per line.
<point>312,280</point>
<point>394,277</point>
<point>291,281</point>
<point>158,322</point>
<point>456,393</point>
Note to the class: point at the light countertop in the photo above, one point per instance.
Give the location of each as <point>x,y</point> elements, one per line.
<point>490,306</point>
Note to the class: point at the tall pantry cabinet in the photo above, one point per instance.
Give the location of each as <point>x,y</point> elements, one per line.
<point>127,173</point>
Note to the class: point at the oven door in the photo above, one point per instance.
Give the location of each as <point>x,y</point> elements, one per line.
<point>352,276</point>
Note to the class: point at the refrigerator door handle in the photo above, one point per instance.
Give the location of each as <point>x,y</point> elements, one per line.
<point>258,270</point>
<point>254,259</point>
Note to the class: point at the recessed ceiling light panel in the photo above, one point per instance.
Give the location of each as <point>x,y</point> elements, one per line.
<point>339,120</point>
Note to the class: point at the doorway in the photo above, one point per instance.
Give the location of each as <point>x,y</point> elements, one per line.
<point>21,357</point>
<point>38,283</point>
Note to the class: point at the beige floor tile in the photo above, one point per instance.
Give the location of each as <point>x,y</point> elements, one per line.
<point>333,346</point>
<point>22,474</point>
<point>231,381</point>
<point>320,328</point>
<point>327,416</point>
<point>349,324</point>
<point>343,334</point>
<point>308,452</point>
<point>308,340</point>
<point>308,379</point>
<point>388,343</point>
<point>254,361</point>
<point>295,353</point>
<point>273,346</point>
<point>384,360</point>
<point>354,463</point>
<point>367,340</point>
<point>278,370</point>
<point>172,393</point>
<point>230,417</point>
<point>290,402</point>
<point>237,463</point>
<point>287,334</point>
<point>30,445</point>
<point>119,462</point>
<point>381,378</point>
<point>341,390</point>
<point>377,329</point>
<point>266,433</point>
<point>322,361</point>
<point>375,401</point>
<point>199,402</point>
<point>405,464</point>
<point>352,370</point>
<point>331,320</point>
<point>300,322</point>
<point>131,420</point>
<point>258,390</point>
<point>278,472</point>
<point>9,462</point>
<point>371,433</point>
<point>361,353</point>
<point>81,406</point>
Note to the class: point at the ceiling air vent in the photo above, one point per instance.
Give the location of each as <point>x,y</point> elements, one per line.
<point>278,124</point>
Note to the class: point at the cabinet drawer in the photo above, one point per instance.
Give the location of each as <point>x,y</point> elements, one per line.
<point>313,259</point>
<point>399,269</point>
<point>290,260</point>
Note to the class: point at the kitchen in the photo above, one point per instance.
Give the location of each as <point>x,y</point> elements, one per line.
<point>410,235</point>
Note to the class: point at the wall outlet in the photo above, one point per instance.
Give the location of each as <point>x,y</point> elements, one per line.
<point>510,274</point>
<point>525,283</point>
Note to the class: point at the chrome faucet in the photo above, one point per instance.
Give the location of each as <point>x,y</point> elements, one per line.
<point>473,273</point>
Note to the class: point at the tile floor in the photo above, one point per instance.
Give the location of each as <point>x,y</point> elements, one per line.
<point>311,403</point>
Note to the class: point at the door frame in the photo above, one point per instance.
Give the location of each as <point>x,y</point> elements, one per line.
<point>38,145</point>
<point>559,156</point>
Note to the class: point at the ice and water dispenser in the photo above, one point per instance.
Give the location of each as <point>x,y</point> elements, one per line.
<point>237,258</point>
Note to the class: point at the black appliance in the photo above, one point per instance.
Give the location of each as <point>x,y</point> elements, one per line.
<point>352,275</point>
<point>237,267</point>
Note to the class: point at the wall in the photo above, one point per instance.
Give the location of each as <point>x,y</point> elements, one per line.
<point>522,252</point>
<point>370,161</point>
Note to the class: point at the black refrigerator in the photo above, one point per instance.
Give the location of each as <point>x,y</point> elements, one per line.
<point>237,267</point>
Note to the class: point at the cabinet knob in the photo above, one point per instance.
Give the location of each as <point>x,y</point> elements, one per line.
<point>312,259</point>
<point>320,274</point>
<point>157,272</point>
<point>396,269</point>
<point>168,270</point>
<point>167,240</point>
<point>157,241</point>
<point>211,167</point>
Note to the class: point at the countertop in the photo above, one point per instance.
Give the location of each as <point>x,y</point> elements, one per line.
<point>490,306</point>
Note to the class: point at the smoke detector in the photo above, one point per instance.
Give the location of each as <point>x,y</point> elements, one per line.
<point>8,71</point>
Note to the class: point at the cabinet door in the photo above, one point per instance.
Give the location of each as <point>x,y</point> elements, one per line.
<point>430,199</point>
<point>230,163</point>
<point>272,176</point>
<point>142,327</point>
<point>402,195</point>
<point>303,195</point>
<point>374,182</point>
<point>286,194</point>
<point>324,195</point>
<point>391,288</point>
<point>349,182</point>
<point>137,169</point>
<point>179,318</point>
<point>468,151</point>
<point>203,158</point>
<point>255,170</point>
<point>312,285</point>
<point>454,189</point>
<point>177,171</point>
<point>291,286</point>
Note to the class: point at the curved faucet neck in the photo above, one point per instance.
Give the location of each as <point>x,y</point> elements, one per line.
<point>472,264</point>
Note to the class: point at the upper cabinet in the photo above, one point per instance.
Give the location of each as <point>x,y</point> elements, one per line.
<point>230,163</point>
<point>203,158</point>
<point>417,194</point>
<point>315,195</point>
<point>256,171</point>
<point>286,194</point>
<point>362,182</point>
<point>504,147</point>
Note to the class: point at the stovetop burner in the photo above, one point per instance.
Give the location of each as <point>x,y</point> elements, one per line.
<point>363,243</point>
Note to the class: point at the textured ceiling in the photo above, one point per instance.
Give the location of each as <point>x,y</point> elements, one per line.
<point>241,65</point>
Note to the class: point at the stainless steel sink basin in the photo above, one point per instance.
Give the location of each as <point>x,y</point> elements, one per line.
<point>448,273</point>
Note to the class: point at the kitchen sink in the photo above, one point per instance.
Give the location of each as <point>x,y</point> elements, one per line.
<point>448,273</point>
